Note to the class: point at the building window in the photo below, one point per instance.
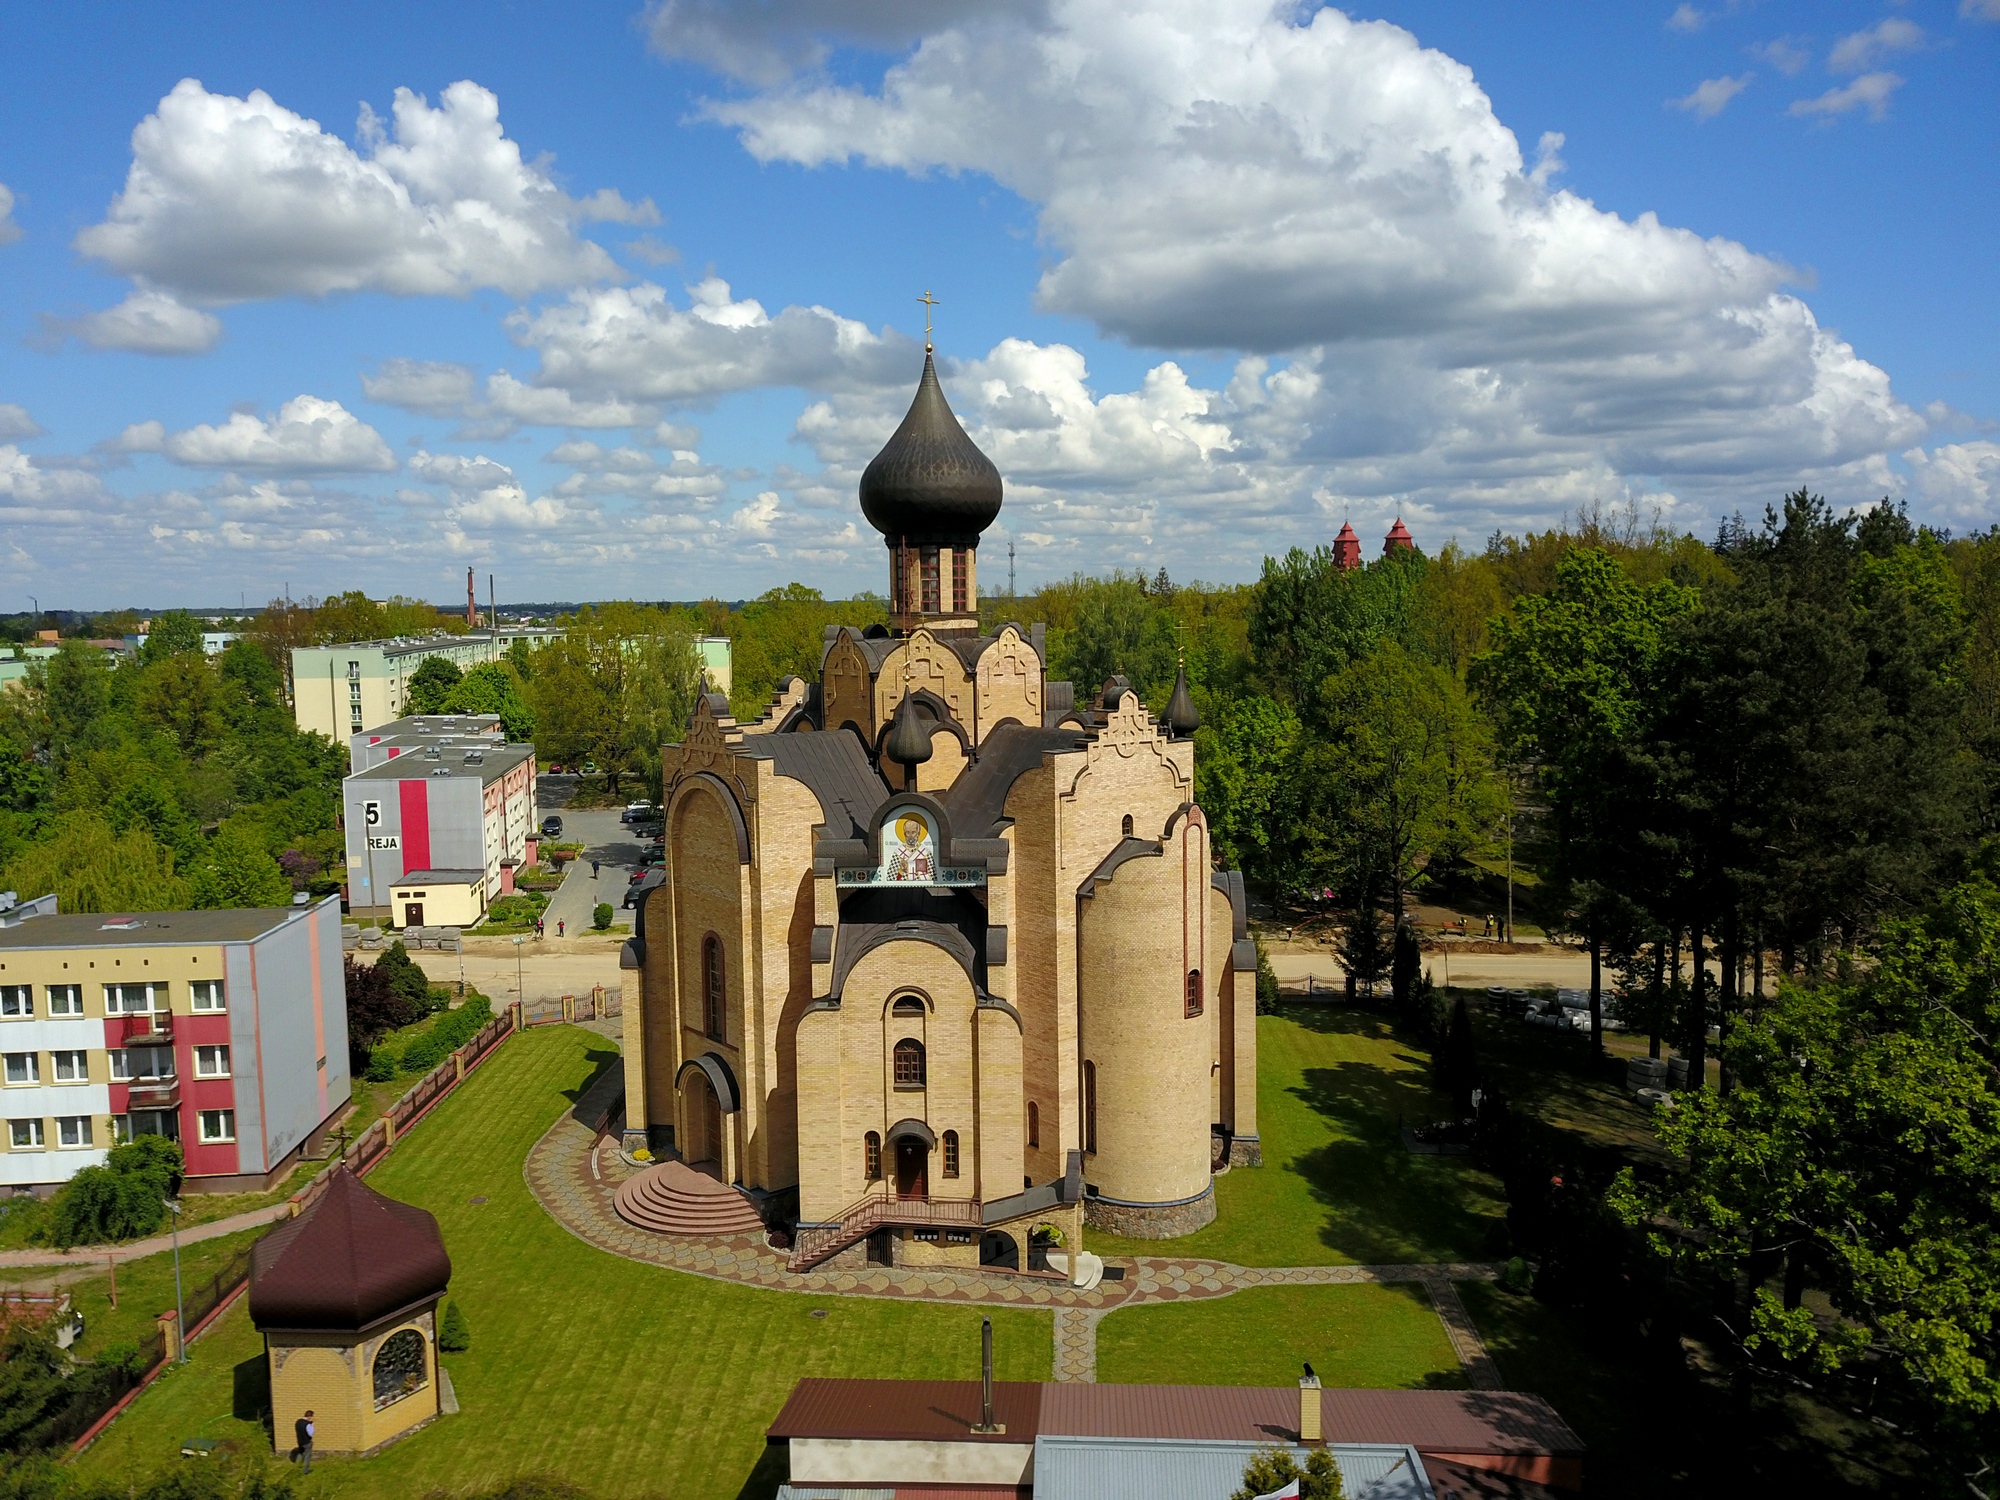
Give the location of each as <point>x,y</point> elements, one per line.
<point>1128,825</point>
<point>1090,1107</point>
<point>25,1134</point>
<point>218,1125</point>
<point>399,1367</point>
<point>712,986</point>
<point>131,999</point>
<point>23,1067</point>
<point>909,1064</point>
<point>65,999</point>
<point>71,1067</point>
<point>211,1062</point>
<point>928,569</point>
<point>207,994</point>
<point>17,1001</point>
<point>908,1005</point>
<point>74,1131</point>
<point>951,1153</point>
<point>871,1157</point>
<point>961,565</point>
<point>1034,1124</point>
<point>1194,992</point>
<point>128,1063</point>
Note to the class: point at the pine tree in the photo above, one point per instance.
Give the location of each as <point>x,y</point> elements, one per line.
<point>453,1336</point>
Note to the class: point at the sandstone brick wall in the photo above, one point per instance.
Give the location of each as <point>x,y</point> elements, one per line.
<point>334,1378</point>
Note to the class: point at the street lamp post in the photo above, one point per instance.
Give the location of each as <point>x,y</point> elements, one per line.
<point>520,986</point>
<point>180,1304</point>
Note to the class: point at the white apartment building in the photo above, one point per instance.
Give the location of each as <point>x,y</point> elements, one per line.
<point>340,690</point>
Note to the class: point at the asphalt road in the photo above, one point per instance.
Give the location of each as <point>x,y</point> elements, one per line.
<point>618,853</point>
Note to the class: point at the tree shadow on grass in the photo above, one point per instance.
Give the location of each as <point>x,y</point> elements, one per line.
<point>1385,1206</point>
<point>600,1058</point>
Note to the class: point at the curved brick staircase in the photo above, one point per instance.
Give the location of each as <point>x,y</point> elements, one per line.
<point>673,1198</point>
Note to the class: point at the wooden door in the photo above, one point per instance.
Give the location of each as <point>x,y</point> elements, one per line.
<point>912,1168</point>
<point>413,914</point>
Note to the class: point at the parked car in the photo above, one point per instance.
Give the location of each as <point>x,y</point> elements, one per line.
<point>636,812</point>
<point>552,827</point>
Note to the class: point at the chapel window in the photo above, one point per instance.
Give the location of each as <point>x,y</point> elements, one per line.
<point>399,1367</point>
<point>1194,992</point>
<point>871,1157</point>
<point>907,1005</point>
<point>961,565</point>
<point>951,1153</point>
<point>1034,1124</point>
<point>712,985</point>
<point>1090,1107</point>
<point>909,1063</point>
<point>928,564</point>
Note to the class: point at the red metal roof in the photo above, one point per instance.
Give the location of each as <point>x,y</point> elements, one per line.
<point>908,1410</point>
<point>352,1258</point>
<point>1467,1422</point>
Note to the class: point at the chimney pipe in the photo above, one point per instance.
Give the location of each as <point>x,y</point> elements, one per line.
<point>986,1422</point>
<point>1309,1407</point>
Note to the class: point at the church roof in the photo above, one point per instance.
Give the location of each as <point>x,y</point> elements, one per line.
<point>930,481</point>
<point>835,768</point>
<point>978,799</point>
<point>350,1260</point>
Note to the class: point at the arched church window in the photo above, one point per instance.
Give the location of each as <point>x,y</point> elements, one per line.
<point>951,1153</point>
<point>399,1367</point>
<point>1194,992</point>
<point>928,562</point>
<point>712,987</point>
<point>1090,1107</point>
<point>871,1157</point>
<point>1034,1124</point>
<point>1128,825</point>
<point>909,1063</point>
<point>908,1005</point>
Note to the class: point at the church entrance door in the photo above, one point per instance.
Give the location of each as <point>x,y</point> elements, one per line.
<point>912,1168</point>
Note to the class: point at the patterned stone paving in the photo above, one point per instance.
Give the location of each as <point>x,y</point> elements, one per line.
<point>574,1175</point>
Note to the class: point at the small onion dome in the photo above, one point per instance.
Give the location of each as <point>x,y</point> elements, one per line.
<point>1398,538</point>
<point>909,741</point>
<point>1181,716</point>
<point>930,481</point>
<point>349,1261</point>
<point>1347,548</point>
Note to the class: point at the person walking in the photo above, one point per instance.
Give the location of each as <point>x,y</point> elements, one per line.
<point>593,869</point>
<point>538,929</point>
<point>561,924</point>
<point>303,1430</point>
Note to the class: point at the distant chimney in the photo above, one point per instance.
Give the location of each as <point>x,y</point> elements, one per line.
<point>471,602</point>
<point>1309,1407</point>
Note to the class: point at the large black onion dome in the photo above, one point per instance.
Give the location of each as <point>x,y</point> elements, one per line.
<point>909,742</point>
<point>1181,716</point>
<point>930,481</point>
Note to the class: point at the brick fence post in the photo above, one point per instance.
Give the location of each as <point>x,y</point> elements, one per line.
<point>170,1334</point>
<point>388,1131</point>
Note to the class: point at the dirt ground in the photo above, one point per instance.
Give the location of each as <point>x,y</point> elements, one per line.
<point>549,968</point>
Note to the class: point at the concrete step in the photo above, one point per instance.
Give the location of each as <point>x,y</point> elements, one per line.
<point>673,1198</point>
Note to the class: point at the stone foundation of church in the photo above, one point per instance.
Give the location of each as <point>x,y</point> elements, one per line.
<point>1151,1221</point>
<point>1246,1151</point>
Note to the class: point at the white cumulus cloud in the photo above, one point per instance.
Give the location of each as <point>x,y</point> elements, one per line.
<point>1785,54</point>
<point>1871,91</point>
<point>9,230</point>
<point>1860,50</point>
<point>309,435</point>
<point>1686,18</point>
<point>1712,95</point>
<point>16,423</point>
<point>232,199</point>
<point>147,322</point>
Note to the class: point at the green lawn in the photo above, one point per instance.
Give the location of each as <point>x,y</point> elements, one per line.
<point>1383,1337</point>
<point>1337,1187</point>
<point>625,1379</point>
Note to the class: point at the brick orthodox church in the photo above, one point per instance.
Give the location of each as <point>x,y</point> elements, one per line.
<point>939,956</point>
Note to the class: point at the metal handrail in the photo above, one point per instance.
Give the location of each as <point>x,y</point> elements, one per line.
<point>872,1213</point>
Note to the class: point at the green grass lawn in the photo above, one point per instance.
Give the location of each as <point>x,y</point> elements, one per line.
<point>1337,1187</point>
<point>1382,1337</point>
<point>625,1379</point>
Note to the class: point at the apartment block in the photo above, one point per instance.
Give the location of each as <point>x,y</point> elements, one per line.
<point>223,1030</point>
<point>440,811</point>
<point>339,690</point>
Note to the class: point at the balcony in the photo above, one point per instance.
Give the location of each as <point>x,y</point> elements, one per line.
<point>154,1093</point>
<point>148,1029</point>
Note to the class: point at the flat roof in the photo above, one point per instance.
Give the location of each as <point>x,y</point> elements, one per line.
<point>441,877</point>
<point>150,929</point>
<point>401,643</point>
<point>1484,1422</point>
<point>429,724</point>
<point>493,763</point>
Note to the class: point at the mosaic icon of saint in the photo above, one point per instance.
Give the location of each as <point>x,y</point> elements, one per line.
<point>913,857</point>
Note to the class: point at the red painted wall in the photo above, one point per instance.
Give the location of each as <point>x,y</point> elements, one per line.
<point>416,808</point>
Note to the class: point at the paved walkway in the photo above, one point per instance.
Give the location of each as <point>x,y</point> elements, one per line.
<point>575,1176</point>
<point>88,1255</point>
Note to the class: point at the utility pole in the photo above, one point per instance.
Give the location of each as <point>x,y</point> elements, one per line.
<point>492,606</point>
<point>1010,567</point>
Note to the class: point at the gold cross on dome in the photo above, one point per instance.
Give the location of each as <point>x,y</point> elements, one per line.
<point>929,302</point>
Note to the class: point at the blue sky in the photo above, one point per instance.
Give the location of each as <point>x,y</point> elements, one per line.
<point>627,310</point>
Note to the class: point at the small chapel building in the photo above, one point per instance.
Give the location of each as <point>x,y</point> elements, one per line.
<point>940,959</point>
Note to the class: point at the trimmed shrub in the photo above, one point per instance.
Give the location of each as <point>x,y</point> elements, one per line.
<point>601,917</point>
<point>453,1336</point>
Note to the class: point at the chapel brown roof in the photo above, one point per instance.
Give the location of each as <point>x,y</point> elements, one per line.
<point>350,1260</point>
